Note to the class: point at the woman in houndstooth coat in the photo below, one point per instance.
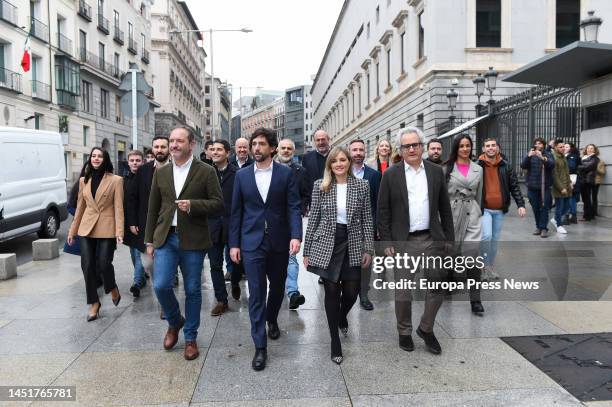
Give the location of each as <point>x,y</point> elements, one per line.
<point>339,240</point>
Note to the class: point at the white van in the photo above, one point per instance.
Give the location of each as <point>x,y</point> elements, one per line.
<point>32,183</point>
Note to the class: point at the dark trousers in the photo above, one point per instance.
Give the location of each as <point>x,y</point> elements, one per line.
<point>541,206</point>
<point>259,264</point>
<point>594,194</point>
<point>97,261</point>
<point>586,193</point>
<point>215,256</point>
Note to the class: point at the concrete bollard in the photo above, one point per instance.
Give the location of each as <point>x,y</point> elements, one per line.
<point>8,266</point>
<point>45,249</point>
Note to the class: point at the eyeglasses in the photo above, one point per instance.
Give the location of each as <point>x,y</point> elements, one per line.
<point>414,146</point>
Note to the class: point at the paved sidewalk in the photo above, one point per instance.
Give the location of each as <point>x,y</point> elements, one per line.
<point>119,359</point>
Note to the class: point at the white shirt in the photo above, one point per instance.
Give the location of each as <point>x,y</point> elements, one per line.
<point>241,163</point>
<point>359,172</point>
<point>418,197</point>
<point>263,179</point>
<point>341,203</point>
<point>179,172</point>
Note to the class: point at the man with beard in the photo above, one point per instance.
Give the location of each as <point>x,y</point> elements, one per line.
<point>286,149</point>
<point>362,171</point>
<point>242,158</point>
<point>265,228</point>
<point>434,151</point>
<point>137,198</point>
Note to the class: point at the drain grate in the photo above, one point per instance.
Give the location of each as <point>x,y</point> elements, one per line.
<point>582,364</point>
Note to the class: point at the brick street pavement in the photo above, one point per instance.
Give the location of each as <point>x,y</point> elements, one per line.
<point>119,359</point>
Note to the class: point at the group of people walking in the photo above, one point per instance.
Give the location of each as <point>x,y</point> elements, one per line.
<point>177,209</point>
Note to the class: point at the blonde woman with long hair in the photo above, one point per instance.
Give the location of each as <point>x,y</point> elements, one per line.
<point>384,156</point>
<point>339,240</point>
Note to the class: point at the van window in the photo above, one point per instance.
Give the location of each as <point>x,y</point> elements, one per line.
<point>22,162</point>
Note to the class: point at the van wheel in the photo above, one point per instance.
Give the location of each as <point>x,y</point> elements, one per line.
<point>50,226</point>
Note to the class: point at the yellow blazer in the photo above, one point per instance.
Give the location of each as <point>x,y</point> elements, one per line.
<point>101,217</point>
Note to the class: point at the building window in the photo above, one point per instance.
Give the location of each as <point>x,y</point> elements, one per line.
<point>130,31</point>
<point>368,30</point>
<point>118,112</point>
<point>104,103</point>
<point>389,67</point>
<point>85,135</point>
<point>419,121</point>
<point>488,23</point>
<point>101,52</point>
<point>568,22</point>
<point>421,37</point>
<point>377,14</point>
<point>116,19</point>
<point>86,97</point>
<point>207,102</point>
<point>207,89</point>
<point>403,69</point>
<point>359,97</point>
<point>353,104</point>
<point>368,87</point>
<point>377,80</point>
<point>82,42</point>
<point>143,41</point>
<point>116,60</point>
<point>402,125</point>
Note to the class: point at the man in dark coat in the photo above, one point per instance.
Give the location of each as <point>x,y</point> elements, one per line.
<point>135,160</point>
<point>314,161</point>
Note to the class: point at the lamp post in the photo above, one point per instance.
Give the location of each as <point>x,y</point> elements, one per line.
<point>212,72</point>
<point>451,95</point>
<point>590,27</point>
<point>491,82</point>
<point>479,83</point>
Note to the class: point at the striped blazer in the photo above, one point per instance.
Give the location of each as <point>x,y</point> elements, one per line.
<point>321,230</point>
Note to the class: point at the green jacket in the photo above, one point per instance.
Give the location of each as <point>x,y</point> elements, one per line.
<point>561,178</point>
<point>201,188</point>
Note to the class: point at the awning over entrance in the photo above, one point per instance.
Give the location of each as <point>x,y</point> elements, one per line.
<point>463,127</point>
<point>569,67</point>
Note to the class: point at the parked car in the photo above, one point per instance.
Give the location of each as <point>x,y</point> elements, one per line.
<point>33,193</point>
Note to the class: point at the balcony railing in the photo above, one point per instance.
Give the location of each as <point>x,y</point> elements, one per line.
<point>95,61</point>
<point>8,12</point>
<point>66,99</point>
<point>145,56</point>
<point>103,24</point>
<point>41,90</point>
<point>85,10</point>
<point>133,46</point>
<point>10,80</point>
<point>39,29</point>
<point>119,36</point>
<point>64,43</point>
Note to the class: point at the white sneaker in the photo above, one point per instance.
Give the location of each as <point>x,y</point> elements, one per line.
<point>561,230</point>
<point>553,221</point>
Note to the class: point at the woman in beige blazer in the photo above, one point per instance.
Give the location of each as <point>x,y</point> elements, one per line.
<point>98,220</point>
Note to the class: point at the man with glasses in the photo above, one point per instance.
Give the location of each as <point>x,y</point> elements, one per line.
<point>413,193</point>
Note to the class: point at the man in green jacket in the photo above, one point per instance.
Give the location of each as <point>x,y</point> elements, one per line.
<point>182,197</point>
<point>562,186</point>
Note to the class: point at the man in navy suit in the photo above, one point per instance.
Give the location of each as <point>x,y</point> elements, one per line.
<point>357,152</point>
<point>265,227</point>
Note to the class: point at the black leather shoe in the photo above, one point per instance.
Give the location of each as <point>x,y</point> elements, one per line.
<point>236,291</point>
<point>135,290</point>
<point>366,304</point>
<point>273,331</point>
<point>477,307</point>
<point>431,342</point>
<point>296,300</point>
<point>259,360</point>
<point>406,343</point>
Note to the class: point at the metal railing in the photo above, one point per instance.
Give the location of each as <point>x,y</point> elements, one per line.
<point>66,99</point>
<point>145,56</point>
<point>132,46</point>
<point>8,12</point>
<point>64,43</point>
<point>10,80</point>
<point>118,36</point>
<point>103,24</point>
<point>99,63</point>
<point>39,29</point>
<point>41,90</point>
<point>85,10</point>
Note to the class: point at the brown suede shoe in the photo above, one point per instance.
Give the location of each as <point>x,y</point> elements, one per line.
<point>171,337</point>
<point>191,350</point>
<point>219,309</point>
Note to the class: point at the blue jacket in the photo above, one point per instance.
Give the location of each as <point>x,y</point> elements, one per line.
<point>280,213</point>
<point>534,166</point>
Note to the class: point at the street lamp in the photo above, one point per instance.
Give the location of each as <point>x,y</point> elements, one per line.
<point>479,83</point>
<point>590,27</point>
<point>451,95</point>
<point>491,80</point>
<point>212,72</point>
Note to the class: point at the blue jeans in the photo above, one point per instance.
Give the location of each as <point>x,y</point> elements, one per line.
<point>562,206</point>
<point>215,256</point>
<point>492,222</point>
<point>293,270</point>
<point>540,209</point>
<point>573,204</point>
<point>167,258</point>
<point>139,272</point>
